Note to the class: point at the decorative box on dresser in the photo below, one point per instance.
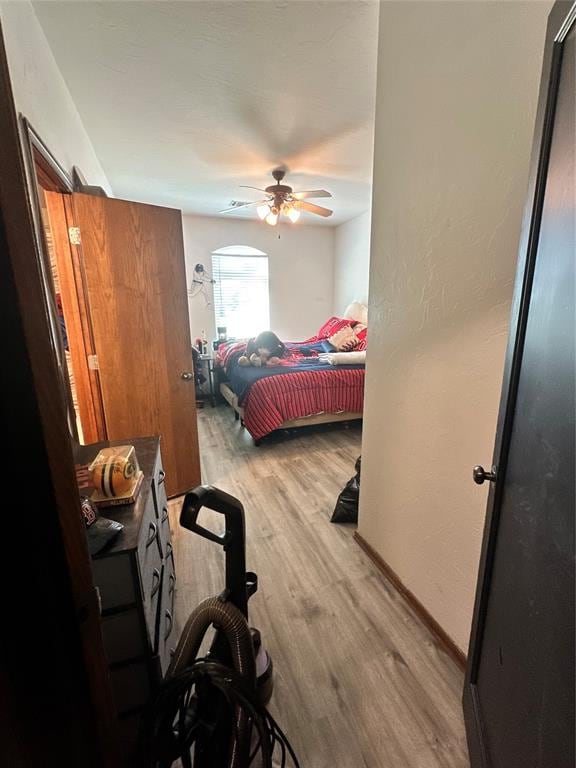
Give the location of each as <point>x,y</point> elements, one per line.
<point>136,579</point>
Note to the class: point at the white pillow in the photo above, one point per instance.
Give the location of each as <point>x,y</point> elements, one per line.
<point>344,358</point>
<point>357,311</point>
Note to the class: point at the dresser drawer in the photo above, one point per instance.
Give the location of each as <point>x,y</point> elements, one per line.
<point>159,478</point>
<point>152,608</point>
<point>161,503</point>
<point>169,555</point>
<point>171,576</point>
<point>150,567</point>
<point>130,727</point>
<point>165,534</point>
<point>131,686</point>
<point>166,633</point>
<point>116,581</point>
<point>123,636</point>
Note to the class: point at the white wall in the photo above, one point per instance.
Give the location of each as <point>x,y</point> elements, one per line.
<point>41,95</point>
<point>456,97</point>
<point>351,262</point>
<point>301,270</point>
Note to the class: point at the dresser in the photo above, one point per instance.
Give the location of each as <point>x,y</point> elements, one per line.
<point>136,580</point>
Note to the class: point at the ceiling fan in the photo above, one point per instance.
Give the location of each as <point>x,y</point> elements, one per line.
<point>281,199</point>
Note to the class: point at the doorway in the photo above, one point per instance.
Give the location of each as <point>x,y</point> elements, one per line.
<point>109,268</point>
<point>65,290</point>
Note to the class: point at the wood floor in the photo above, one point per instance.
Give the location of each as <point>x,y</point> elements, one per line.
<point>360,683</point>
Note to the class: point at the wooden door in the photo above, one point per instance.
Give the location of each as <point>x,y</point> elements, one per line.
<point>133,258</point>
<point>520,684</point>
<point>76,317</point>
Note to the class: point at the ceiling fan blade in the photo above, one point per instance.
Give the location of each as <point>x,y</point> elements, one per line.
<point>244,205</point>
<point>245,186</point>
<point>312,208</point>
<point>311,193</point>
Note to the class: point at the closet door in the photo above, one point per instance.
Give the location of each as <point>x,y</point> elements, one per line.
<point>133,258</point>
<point>519,694</point>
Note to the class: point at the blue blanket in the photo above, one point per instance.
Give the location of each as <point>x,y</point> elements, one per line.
<point>241,377</point>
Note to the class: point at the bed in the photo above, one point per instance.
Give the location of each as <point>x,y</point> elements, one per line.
<point>303,390</point>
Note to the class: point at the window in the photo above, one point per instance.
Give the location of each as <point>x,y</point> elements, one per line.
<point>241,300</point>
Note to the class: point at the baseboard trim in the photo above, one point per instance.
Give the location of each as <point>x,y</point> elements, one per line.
<point>445,640</point>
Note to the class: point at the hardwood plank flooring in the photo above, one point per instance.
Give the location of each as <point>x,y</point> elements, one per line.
<point>359,681</point>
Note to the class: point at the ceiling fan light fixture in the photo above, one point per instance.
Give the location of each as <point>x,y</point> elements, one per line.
<point>272,217</point>
<point>293,214</point>
<point>263,211</point>
<point>282,200</point>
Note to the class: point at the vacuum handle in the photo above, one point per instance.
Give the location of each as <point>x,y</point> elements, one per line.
<point>232,540</point>
<point>218,501</point>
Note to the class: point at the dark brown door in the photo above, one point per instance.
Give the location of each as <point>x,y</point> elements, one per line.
<point>519,694</point>
<point>135,275</point>
<point>55,696</point>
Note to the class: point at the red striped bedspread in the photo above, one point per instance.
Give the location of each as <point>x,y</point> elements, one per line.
<point>272,401</point>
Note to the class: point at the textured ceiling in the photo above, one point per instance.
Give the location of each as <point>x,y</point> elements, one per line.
<point>185,101</point>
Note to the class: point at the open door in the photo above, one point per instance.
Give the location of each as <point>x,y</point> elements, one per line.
<point>133,257</point>
<point>80,342</point>
<point>520,684</point>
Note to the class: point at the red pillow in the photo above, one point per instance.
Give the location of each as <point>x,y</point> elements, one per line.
<point>361,332</point>
<point>333,325</point>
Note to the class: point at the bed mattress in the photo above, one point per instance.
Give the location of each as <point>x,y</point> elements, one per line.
<point>301,386</point>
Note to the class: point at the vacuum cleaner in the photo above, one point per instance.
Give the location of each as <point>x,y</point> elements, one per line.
<point>210,711</point>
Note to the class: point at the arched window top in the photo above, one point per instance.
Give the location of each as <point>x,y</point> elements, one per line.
<point>238,250</point>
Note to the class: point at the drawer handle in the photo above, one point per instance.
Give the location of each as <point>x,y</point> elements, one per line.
<point>155,582</point>
<point>169,625</point>
<point>161,477</point>
<point>164,514</point>
<point>172,580</point>
<point>153,534</point>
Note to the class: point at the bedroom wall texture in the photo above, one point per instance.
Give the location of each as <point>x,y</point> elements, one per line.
<point>351,262</point>
<point>301,270</point>
<point>456,98</point>
<point>41,94</point>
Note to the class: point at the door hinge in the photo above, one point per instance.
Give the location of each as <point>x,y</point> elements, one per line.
<point>93,363</point>
<point>74,235</point>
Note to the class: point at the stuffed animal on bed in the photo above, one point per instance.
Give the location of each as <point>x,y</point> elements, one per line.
<point>265,349</point>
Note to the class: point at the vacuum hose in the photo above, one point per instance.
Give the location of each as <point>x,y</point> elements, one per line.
<point>232,623</point>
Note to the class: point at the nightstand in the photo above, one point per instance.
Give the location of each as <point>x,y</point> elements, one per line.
<point>207,365</point>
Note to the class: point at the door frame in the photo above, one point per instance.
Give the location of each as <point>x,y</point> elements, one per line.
<point>43,169</point>
<point>57,704</point>
<point>41,162</point>
<point>560,20</point>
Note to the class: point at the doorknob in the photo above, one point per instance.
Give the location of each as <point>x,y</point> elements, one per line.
<point>479,474</point>
<point>187,376</point>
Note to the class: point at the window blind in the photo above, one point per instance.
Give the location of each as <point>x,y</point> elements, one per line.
<point>241,296</point>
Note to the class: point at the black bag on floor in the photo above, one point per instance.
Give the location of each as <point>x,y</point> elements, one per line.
<point>346,509</point>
